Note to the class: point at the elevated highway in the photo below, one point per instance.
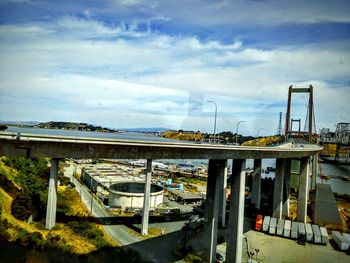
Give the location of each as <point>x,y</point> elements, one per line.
<point>58,147</point>
<point>33,145</point>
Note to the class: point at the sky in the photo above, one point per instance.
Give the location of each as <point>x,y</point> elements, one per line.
<point>157,63</point>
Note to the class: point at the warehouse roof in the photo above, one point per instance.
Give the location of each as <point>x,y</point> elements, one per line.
<point>185,194</point>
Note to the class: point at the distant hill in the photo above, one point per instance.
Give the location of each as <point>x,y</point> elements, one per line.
<point>62,125</point>
<point>20,123</point>
<point>150,130</point>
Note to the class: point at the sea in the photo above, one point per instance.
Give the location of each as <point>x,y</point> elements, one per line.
<point>338,186</point>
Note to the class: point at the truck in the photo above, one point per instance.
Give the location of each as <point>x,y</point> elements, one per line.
<point>309,233</point>
<point>287,227</point>
<point>193,222</point>
<point>294,231</point>
<point>317,234</point>
<point>280,226</point>
<point>324,236</point>
<point>258,222</point>
<point>340,240</point>
<point>301,233</point>
<point>273,224</point>
<point>266,223</point>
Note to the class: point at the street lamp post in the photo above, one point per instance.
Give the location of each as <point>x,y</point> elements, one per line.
<point>216,113</point>
<point>257,133</point>
<point>237,130</point>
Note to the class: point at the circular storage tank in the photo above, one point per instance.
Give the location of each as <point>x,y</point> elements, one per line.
<point>129,195</point>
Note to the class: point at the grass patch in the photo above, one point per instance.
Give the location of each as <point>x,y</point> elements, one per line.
<point>90,231</point>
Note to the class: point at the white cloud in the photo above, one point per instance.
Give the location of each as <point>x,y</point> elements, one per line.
<point>227,12</point>
<point>87,71</point>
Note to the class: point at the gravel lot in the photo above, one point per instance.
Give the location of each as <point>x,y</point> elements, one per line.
<point>278,249</point>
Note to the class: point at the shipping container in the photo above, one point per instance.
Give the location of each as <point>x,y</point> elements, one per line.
<point>287,227</point>
<point>266,223</point>
<point>324,235</point>
<point>317,234</point>
<point>280,226</point>
<point>340,240</point>
<point>272,227</point>
<point>309,233</point>
<point>301,233</point>
<point>294,231</point>
<point>258,222</point>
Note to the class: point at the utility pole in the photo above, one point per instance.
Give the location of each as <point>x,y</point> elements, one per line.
<point>216,113</point>
<point>237,131</point>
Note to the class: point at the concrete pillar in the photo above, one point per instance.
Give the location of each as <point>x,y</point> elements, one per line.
<point>314,171</point>
<point>256,184</point>
<point>303,190</point>
<point>236,213</point>
<point>222,202</point>
<point>278,189</point>
<point>286,190</point>
<point>52,195</point>
<point>216,172</point>
<point>146,198</point>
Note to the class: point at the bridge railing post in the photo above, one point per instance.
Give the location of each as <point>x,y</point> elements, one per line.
<point>146,198</point>
<point>256,184</point>
<point>303,190</point>
<point>278,189</point>
<point>222,201</point>
<point>216,172</point>
<point>314,171</point>
<point>286,190</point>
<point>236,213</point>
<point>52,195</point>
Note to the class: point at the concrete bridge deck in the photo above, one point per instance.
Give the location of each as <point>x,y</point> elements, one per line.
<point>33,145</point>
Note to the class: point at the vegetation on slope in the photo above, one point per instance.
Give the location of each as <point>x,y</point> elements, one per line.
<point>75,234</point>
<point>183,136</point>
<point>329,149</point>
<point>264,141</point>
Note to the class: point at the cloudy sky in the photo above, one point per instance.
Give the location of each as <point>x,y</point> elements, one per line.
<point>135,63</point>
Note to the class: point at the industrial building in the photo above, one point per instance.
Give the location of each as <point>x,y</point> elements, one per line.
<point>99,177</point>
<point>130,195</point>
<point>119,186</point>
<point>185,197</point>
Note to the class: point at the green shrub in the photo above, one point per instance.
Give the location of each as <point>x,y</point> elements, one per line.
<point>56,227</point>
<point>21,206</point>
<point>4,235</point>
<point>23,237</point>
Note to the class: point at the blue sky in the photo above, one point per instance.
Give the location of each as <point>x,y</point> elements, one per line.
<point>135,63</point>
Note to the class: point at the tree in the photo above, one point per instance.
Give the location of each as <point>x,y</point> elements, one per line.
<point>21,206</point>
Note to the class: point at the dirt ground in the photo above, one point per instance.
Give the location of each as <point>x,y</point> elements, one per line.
<point>283,250</point>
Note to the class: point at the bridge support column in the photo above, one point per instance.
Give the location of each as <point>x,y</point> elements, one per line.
<point>216,172</point>
<point>256,184</point>
<point>52,195</point>
<point>314,171</point>
<point>278,189</point>
<point>146,198</point>
<point>286,191</point>
<point>303,190</point>
<point>236,213</point>
<point>222,201</point>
